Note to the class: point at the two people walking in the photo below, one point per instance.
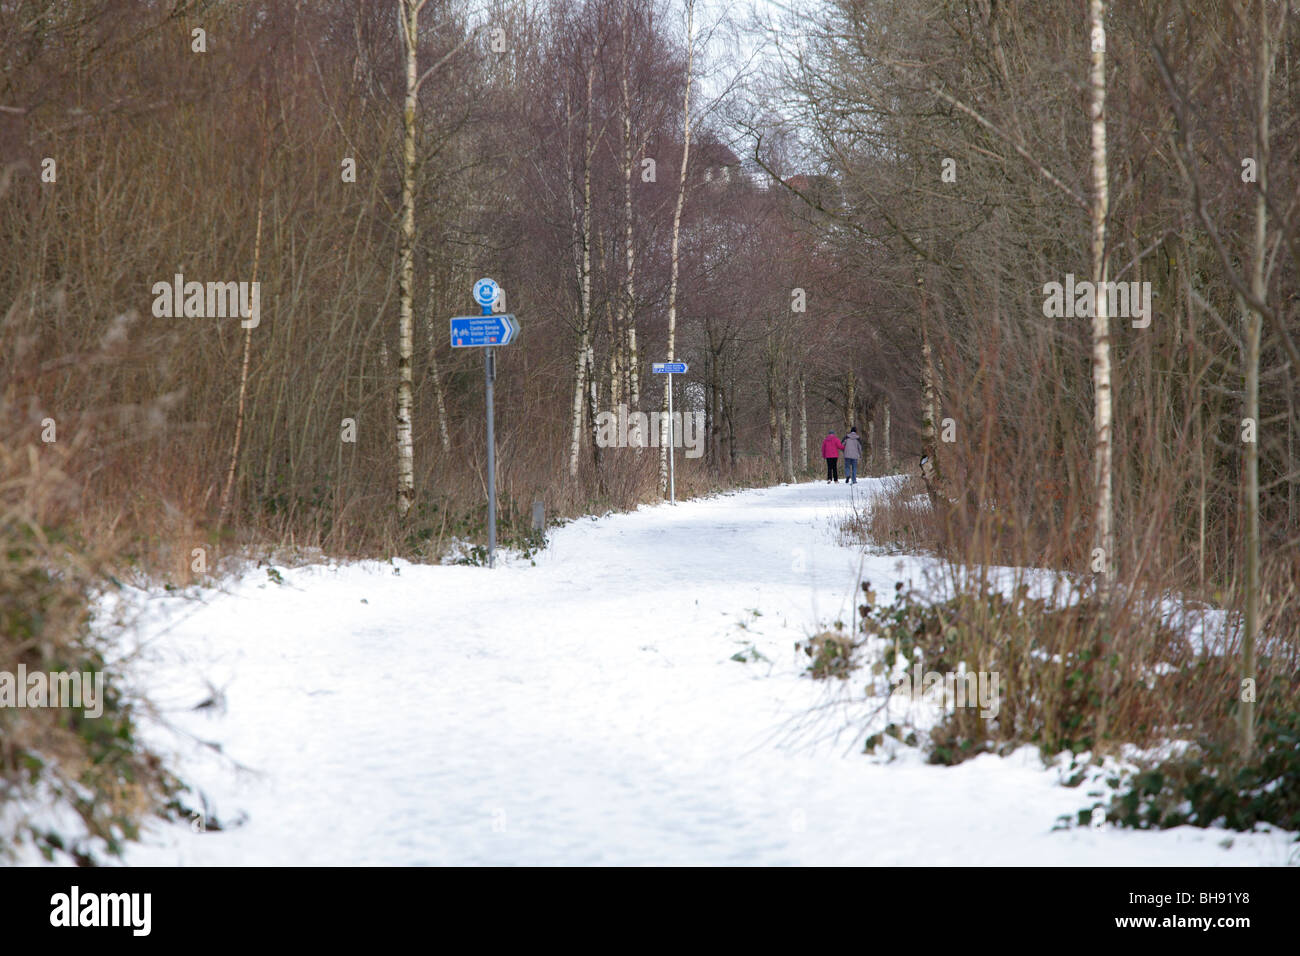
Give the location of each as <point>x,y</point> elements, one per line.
<point>851,448</point>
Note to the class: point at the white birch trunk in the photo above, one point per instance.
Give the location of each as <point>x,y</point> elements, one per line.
<point>931,473</point>
<point>1104,534</point>
<point>408,17</point>
<point>593,401</point>
<point>627,304</point>
<point>584,278</point>
<point>677,226</point>
<point>579,366</point>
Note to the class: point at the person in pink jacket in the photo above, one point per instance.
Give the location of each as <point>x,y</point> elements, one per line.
<point>831,449</point>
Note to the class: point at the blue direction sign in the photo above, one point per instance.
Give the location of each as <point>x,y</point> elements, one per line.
<point>470,331</point>
<point>672,368</point>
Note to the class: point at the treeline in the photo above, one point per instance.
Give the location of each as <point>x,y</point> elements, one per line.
<point>232,236</point>
<point>988,162</point>
<point>266,142</point>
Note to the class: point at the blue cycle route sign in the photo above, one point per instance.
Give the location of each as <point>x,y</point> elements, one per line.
<point>486,292</point>
<point>672,368</point>
<point>476,331</point>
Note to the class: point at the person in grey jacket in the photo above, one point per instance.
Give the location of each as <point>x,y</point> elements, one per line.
<point>852,452</point>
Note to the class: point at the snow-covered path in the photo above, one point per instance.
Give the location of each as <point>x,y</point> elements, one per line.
<point>583,711</point>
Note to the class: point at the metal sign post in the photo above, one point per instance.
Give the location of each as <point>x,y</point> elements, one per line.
<point>672,447</point>
<point>669,368</point>
<point>485,331</point>
<point>489,374</point>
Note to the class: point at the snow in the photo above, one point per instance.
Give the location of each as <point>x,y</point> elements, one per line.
<point>586,710</point>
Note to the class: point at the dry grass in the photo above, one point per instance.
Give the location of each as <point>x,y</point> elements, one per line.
<point>900,519</point>
<point>56,759</point>
<point>1077,673</point>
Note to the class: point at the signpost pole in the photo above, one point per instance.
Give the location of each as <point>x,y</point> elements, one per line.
<point>484,331</point>
<point>490,373</point>
<point>672,446</point>
<point>668,368</point>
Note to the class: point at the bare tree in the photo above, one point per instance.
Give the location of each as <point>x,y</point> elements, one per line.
<point>408,18</point>
<point>1103,528</point>
<point>248,345</point>
<point>583,364</point>
<point>408,12</point>
<point>674,261</point>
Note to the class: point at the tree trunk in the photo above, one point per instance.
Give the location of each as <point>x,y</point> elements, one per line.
<point>931,473</point>
<point>1254,332</point>
<point>243,372</point>
<point>1103,530</point>
<point>633,368</point>
<point>714,429</point>
<point>889,461</point>
<point>579,367</point>
<point>583,226</point>
<point>728,404</point>
<point>803,423</point>
<point>408,13</point>
<point>677,226</point>
<point>443,433</point>
<point>627,306</point>
<point>773,422</point>
<point>787,437</point>
<point>593,403</point>
<point>612,334</point>
<point>1290,459</point>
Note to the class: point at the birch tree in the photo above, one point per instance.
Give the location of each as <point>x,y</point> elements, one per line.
<point>408,12</point>
<point>248,345</point>
<point>677,228</point>
<point>627,301</point>
<point>583,365</point>
<point>931,472</point>
<point>1254,322</point>
<point>1103,529</point>
<point>1254,310</point>
<point>408,19</point>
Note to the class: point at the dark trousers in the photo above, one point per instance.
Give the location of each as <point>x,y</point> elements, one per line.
<point>832,469</point>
